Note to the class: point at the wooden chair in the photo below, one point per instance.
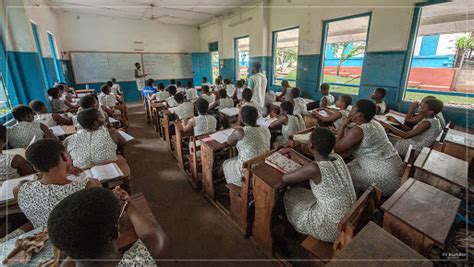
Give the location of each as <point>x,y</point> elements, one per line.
<point>194,159</point>
<point>408,162</point>
<point>361,213</point>
<point>240,196</point>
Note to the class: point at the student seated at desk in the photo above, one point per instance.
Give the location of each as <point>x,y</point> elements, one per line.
<point>86,102</point>
<point>66,96</point>
<point>378,97</point>
<point>223,102</point>
<point>424,134</point>
<point>285,94</point>
<point>251,141</point>
<point>161,94</point>
<point>204,82</point>
<point>317,212</point>
<point>48,119</point>
<point>115,88</point>
<point>96,144</point>
<point>326,99</point>
<point>11,166</point>
<point>172,83</point>
<point>270,97</point>
<point>336,117</point>
<point>184,110</point>
<point>191,92</point>
<point>290,123</point>
<point>376,160</point>
<point>206,94</point>
<point>413,116</point>
<point>57,105</point>
<point>229,87</point>
<point>148,90</point>
<point>170,100</point>
<point>239,88</point>
<point>247,101</point>
<point>108,102</point>
<point>37,198</point>
<point>217,85</point>
<point>298,102</point>
<point>203,123</point>
<point>26,129</point>
<point>84,226</point>
<point>180,88</point>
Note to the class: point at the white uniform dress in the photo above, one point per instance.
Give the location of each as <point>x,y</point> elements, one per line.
<point>230,89</point>
<point>141,80</point>
<point>425,139</point>
<point>185,110</point>
<point>107,100</point>
<point>209,98</point>
<point>191,94</point>
<point>256,141</point>
<point>258,84</point>
<point>330,100</point>
<point>340,121</point>
<point>295,124</point>
<point>46,119</point>
<point>6,170</point>
<point>382,106</point>
<point>255,105</point>
<point>21,134</point>
<point>317,212</point>
<point>225,103</point>
<point>376,161</point>
<point>171,102</point>
<point>300,106</point>
<point>91,148</point>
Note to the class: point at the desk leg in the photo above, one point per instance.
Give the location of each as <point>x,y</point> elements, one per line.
<point>265,198</point>
<point>179,148</point>
<point>207,161</point>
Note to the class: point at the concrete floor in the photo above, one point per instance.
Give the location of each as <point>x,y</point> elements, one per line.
<point>199,233</point>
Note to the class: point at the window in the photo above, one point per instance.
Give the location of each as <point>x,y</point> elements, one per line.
<point>285,56</point>
<point>215,64</point>
<point>40,54</point>
<point>442,61</point>
<point>343,56</point>
<point>242,56</point>
<point>57,63</point>
<point>5,105</point>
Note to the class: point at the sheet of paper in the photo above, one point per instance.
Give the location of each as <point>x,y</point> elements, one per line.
<point>105,172</point>
<point>6,190</point>
<point>222,136</point>
<point>126,136</point>
<point>230,111</point>
<point>57,130</point>
<point>112,120</point>
<point>265,122</point>
<point>323,113</point>
<point>278,104</point>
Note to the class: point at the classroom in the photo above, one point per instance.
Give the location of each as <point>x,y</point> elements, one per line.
<point>236,132</point>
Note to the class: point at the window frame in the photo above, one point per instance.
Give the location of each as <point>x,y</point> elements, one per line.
<point>39,52</point>
<point>274,48</point>
<point>56,61</point>
<point>236,56</point>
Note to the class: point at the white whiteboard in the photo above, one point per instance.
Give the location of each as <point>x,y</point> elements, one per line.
<point>167,66</point>
<point>122,66</point>
<point>90,67</point>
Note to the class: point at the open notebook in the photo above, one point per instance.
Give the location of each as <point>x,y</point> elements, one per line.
<point>222,136</point>
<point>112,120</point>
<point>103,172</point>
<point>303,138</point>
<point>15,151</point>
<point>57,130</point>
<point>265,122</point>
<point>282,163</point>
<point>6,190</point>
<point>230,111</point>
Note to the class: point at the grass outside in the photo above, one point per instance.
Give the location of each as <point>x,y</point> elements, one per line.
<point>447,99</point>
<point>4,111</point>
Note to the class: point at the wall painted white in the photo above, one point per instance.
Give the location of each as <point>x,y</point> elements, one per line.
<point>16,26</point>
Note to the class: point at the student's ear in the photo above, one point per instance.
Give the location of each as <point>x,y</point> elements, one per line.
<point>65,156</point>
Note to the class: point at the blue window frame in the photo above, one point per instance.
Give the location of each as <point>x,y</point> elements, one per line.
<point>57,63</point>
<point>285,55</point>
<point>40,54</point>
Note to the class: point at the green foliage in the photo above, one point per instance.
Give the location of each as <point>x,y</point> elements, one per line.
<point>287,55</point>
<point>355,49</point>
<point>465,42</point>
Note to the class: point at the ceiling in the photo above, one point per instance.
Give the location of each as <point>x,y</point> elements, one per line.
<point>186,12</point>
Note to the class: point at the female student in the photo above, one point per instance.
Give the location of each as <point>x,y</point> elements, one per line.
<point>298,102</point>
<point>229,87</point>
<point>413,117</point>
<point>239,88</point>
<point>335,117</point>
<point>37,198</point>
<point>326,99</point>
<point>161,94</point>
<point>251,141</point>
<point>57,105</point>
<point>66,96</point>
<point>223,102</point>
<point>115,87</point>
<point>96,144</point>
<point>191,92</point>
<point>290,123</point>
<point>317,212</point>
<point>378,97</point>
<point>11,166</point>
<point>84,226</point>
<point>203,123</point>
<point>48,119</point>
<point>109,103</point>
<point>86,102</point>
<point>376,160</point>
<point>247,95</point>
<point>424,134</point>
<point>26,129</point>
<point>184,110</point>
<point>206,94</point>
<point>170,100</point>
<point>285,94</point>
<point>113,91</point>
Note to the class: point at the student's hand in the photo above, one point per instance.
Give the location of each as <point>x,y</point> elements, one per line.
<point>285,151</point>
<point>74,170</point>
<point>347,122</point>
<point>415,105</point>
<point>120,193</point>
<point>391,118</point>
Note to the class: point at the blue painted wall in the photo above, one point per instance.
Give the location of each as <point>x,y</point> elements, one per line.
<point>227,70</point>
<point>429,45</point>
<point>202,67</point>
<point>307,75</point>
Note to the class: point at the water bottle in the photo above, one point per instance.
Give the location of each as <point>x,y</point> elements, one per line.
<point>87,86</point>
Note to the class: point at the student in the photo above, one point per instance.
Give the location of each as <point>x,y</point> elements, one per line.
<point>270,97</point>
<point>317,211</point>
<point>172,83</point>
<point>11,166</point>
<point>206,94</point>
<point>191,92</point>
<point>204,82</point>
<point>109,103</point>
<point>285,94</point>
<point>290,123</point>
<point>180,87</point>
<point>149,90</point>
<point>298,102</point>
<point>247,101</point>
<point>57,105</point>
<point>223,102</point>
<point>84,226</point>
<point>378,96</point>
<point>424,134</point>
<point>115,87</point>
<point>170,100</point>
<point>217,85</point>
<point>26,129</point>
<point>412,118</point>
<point>327,99</point>
<point>96,144</point>
<point>66,96</point>
<point>203,123</point>
<point>48,119</point>
<point>37,199</point>
<point>376,160</point>
<point>161,94</point>
<point>184,110</point>
<point>240,86</point>
<point>336,117</point>
<point>229,87</point>
<point>86,102</point>
<point>250,141</point>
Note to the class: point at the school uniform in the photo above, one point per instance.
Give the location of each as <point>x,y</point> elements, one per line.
<point>116,89</point>
<point>21,134</point>
<point>329,100</point>
<point>383,107</point>
<point>58,106</point>
<point>191,94</point>
<point>425,139</point>
<point>270,97</point>
<point>230,89</point>
<point>344,115</point>
<point>107,100</point>
<point>299,106</point>
<point>294,125</point>
<point>46,119</point>
<point>6,170</point>
<point>185,110</point>
<point>162,95</point>
<point>225,103</point>
<point>287,95</point>
<point>239,93</point>
<point>171,102</point>
<point>255,105</point>
<point>209,98</point>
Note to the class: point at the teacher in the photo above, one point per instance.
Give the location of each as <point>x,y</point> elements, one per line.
<point>139,76</point>
<point>258,83</point>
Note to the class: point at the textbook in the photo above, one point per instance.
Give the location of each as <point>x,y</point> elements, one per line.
<point>282,163</point>
<point>102,172</point>
<point>303,138</point>
<point>126,136</point>
<point>6,190</point>
<point>222,136</point>
<point>265,122</point>
<point>57,130</point>
<point>231,112</point>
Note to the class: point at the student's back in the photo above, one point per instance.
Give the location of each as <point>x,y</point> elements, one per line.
<point>21,134</point>
<point>225,103</point>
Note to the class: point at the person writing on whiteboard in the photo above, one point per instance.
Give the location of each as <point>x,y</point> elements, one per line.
<point>258,83</point>
<point>139,76</point>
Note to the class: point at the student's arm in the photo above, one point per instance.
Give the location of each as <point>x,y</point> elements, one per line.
<point>281,120</point>
<point>70,105</point>
<point>107,110</point>
<point>236,136</point>
<point>189,126</point>
<point>282,94</point>
<point>118,139</point>
<point>22,166</point>
<point>422,127</point>
<point>61,120</point>
<point>93,183</point>
<point>215,104</point>
<point>349,140</point>
<point>411,118</point>
<point>324,103</point>
<point>47,132</point>
<point>334,116</point>
<point>307,172</point>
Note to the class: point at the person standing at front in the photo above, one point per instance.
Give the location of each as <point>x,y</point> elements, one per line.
<point>140,77</point>
<point>258,83</point>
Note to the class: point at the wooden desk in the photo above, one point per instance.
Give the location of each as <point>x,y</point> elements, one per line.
<point>180,137</point>
<point>123,165</point>
<point>374,246</point>
<point>459,138</point>
<point>420,215</point>
<point>208,151</point>
<point>157,107</point>
<point>441,171</point>
<point>84,91</point>
<point>69,129</point>
<point>456,143</point>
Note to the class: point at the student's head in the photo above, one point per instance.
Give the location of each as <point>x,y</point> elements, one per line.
<point>286,107</point>
<point>46,154</point>
<point>379,94</point>
<point>54,93</point>
<point>179,84</point>
<point>324,89</point>
<point>344,101</point>
<point>38,107</point>
<point>149,82</point>
<point>61,87</point>
<point>179,98</point>
<point>89,101</point>
<point>431,107</point>
<point>240,84</point>
<point>227,81</point>
<point>202,105</point>
<point>256,67</point>
<point>363,111</point>
<point>205,89</point>
<point>90,119</point>
<point>3,136</point>
<point>218,81</point>
<point>84,225</point>
<point>322,141</point>
<point>249,115</point>
<point>190,85</point>
<point>427,98</point>
<point>204,79</point>
<point>105,89</point>
<point>110,83</point>
<point>23,113</point>
<point>114,80</point>
<point>172,90</point>
<point>161,86</point>
<point>285,84</point>
<point>222,93</point>
<point>172,81</point>
<point>247,94</point>
<point>295,92</point>
<point>137,65</point>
